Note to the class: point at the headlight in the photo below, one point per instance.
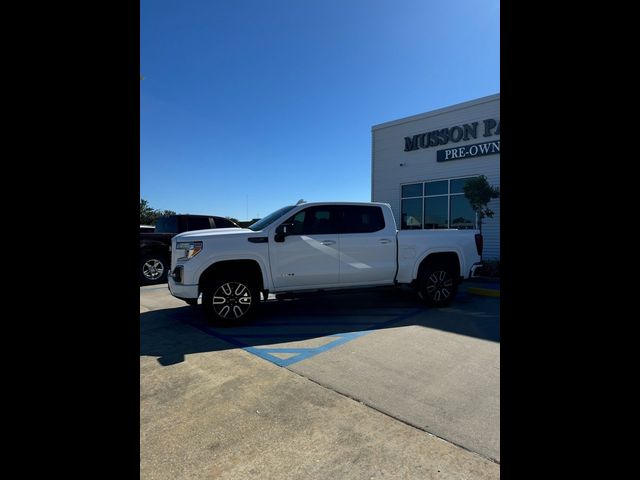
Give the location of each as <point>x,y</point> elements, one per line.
<point>191,249</point>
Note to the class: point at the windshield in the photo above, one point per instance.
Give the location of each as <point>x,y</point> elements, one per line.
<point>269,219</point>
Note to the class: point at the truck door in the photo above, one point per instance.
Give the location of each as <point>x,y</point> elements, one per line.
<point>367,246</point>
<point>308,256</point>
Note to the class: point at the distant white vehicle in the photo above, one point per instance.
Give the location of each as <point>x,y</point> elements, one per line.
<point>147,228</point>
<point>317,246</point>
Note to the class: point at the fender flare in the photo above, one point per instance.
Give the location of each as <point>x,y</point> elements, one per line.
<point>457,251</point>
<point>266,280</point>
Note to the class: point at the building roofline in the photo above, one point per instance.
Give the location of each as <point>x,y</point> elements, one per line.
<point>439,111</point>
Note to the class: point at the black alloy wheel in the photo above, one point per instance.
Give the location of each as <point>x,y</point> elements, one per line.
<point>230,302</point>
<point>437,286</point>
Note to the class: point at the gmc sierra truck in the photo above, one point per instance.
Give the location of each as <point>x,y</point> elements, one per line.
<point>317,246</point>
<point>155,246</point>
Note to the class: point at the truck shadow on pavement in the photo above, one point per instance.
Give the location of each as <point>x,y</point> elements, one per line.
<point>172,333</point>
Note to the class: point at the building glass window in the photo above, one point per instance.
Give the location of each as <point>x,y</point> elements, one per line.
<point>457,185</point>
<point>462,215</point>
<point>436,212</point>
<point>411,214</point>
<point>413,190</point>
<point>436,204</point>
<point>440,187</point>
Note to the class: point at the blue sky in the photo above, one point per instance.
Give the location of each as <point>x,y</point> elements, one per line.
<point>249,105</point>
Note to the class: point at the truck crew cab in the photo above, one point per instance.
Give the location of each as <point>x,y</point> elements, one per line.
<point>317,246</point>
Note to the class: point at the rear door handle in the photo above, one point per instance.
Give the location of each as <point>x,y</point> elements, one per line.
<point>327,242</point>
<point>385,240</point>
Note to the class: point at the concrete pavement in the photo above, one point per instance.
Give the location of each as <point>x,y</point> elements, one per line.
<point>441,382</point>
<point>210,409</point>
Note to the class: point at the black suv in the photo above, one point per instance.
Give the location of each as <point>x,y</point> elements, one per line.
<point>155,248</point>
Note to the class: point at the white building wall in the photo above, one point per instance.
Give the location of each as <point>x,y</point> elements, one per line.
<point>388,153</point>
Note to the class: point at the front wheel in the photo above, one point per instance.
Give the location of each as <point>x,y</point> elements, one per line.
<point>437,286</point>
<point>153,269</point>
<point>230,302</point>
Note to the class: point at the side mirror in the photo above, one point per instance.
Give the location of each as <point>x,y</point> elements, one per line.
<point>281,232</point>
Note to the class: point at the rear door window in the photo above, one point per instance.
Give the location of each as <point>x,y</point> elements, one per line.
<point>361,219</point>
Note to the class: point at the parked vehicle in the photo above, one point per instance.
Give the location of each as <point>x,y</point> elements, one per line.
<point>155,247</point>
<point>317,246</point>
<point>147,228</point>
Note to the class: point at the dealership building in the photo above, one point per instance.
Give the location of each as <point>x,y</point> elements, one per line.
<point>419,165</point>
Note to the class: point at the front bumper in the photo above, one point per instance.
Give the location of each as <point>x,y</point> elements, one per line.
<point>182,291</point>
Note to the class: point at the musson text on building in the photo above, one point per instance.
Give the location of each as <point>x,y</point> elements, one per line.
<point>465,132</point>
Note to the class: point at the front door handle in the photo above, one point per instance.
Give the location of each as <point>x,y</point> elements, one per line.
<point>385,240</point>
<point>327,242</point>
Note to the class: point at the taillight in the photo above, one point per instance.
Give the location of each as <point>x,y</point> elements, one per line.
<point>479,243</point>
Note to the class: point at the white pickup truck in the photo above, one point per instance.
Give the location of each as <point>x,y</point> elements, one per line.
<point>316,246</point>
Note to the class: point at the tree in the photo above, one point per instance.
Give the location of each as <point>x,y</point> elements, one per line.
<point>148,215</point>
<point>479,193</point>
<point>164,213</point>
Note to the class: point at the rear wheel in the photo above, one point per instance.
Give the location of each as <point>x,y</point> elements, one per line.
<point>437,285</point>
<point>230,302</point>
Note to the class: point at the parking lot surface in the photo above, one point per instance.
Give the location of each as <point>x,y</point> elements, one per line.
<point>350,385</point>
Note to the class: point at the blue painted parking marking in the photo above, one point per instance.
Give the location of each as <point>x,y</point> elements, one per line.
<point>302,353</point>
<point>270,353</point>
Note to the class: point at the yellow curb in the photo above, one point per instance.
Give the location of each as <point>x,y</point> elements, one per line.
<point>484,291</point>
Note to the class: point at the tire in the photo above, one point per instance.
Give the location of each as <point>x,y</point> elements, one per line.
<point>437,285</point>
<point>236,301</point>
<point>153,269</point>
